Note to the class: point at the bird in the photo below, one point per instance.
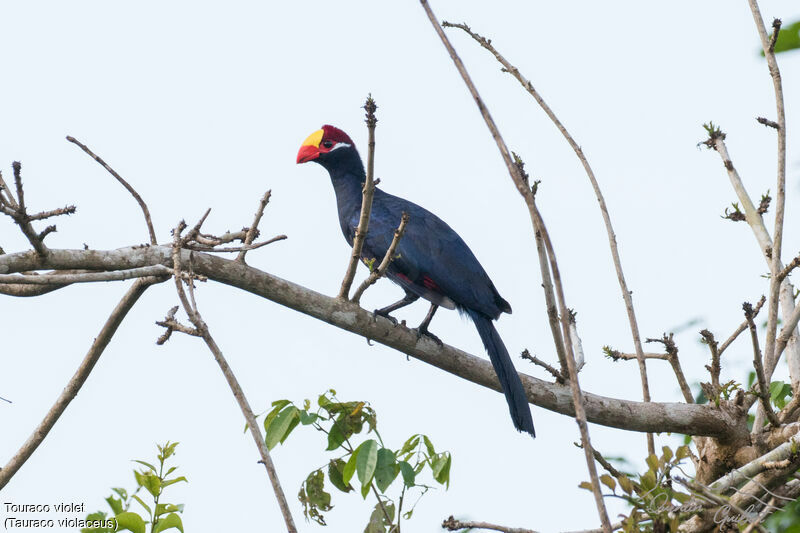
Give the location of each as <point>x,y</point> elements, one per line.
<point>431,260</point>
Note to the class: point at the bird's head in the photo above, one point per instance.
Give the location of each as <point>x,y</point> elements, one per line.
<point>329,147</point>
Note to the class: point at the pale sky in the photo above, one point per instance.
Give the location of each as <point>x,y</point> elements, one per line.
<point>202,104</point>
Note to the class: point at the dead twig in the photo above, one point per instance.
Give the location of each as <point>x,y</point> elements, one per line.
<point>240,249</point>
<point>85,277</point>
<point>742,326</point>
<point>78,379</point>
<point>538,362</point>
<point>715,369</point>
<point>201,330</point>
<point>252,231</point>
<point>524,189</point>
<point>124,183</point>
<point>378,273</point>
<point>612,239</point>
<point>366,201</point>
<point>763,390</point>
<point>672,356</point>
<point>451,524</point>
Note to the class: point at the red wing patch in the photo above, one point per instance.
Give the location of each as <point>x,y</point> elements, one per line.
<point>429,283</point>
<point>404,278</point>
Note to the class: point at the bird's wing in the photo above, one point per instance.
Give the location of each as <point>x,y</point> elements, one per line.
<point>431,259</point>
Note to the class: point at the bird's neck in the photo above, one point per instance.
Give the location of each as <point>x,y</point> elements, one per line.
<point>348,181</point>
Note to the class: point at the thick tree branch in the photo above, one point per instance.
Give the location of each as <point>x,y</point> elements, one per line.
<point>78,379</point>
<point>624,414</point>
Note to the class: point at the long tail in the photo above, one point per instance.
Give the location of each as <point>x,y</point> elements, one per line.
<point>506,373</point>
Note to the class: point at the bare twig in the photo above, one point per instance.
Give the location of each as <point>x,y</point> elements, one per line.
<point>550,369</point>
<point>784,289</point>
<point>78,379</point>
<point>85,277</point>
<point>672,356</point>
<point>742,326</point>
<point>252,231</point>
<point>612,239</point>
<point>451,524</point>
<point>245,248</point>
<point>763,390</point>
<point>17,211</point>
<point>378,273</point>
<point>768,123</point>
<point>124,183</point>
<point>66,210</point>
<point>190,307</point>
<point>715,368</point>
<point>366,201</point>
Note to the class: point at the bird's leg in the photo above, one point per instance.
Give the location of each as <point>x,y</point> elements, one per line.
<point>422,329</point>
<point>384,312</point>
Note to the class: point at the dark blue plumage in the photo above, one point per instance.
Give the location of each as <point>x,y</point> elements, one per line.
<point>431,262</point>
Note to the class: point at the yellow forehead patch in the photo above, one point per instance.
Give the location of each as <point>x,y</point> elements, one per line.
<point>314,139</point>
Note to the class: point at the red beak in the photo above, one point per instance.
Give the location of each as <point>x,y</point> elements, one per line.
<point>307,153</point>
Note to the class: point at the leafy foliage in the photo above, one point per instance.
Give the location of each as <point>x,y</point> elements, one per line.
<point>653,498</point>
<point>150,480</point>
<point>360,461</point>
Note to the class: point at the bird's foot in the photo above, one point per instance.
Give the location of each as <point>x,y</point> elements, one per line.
<point>377,312</point>
<point>423,331</point>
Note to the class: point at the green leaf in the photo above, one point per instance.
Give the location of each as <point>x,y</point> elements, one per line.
<point>115,504</point>
<point>648,480</point>
<point>279,426</point>
<point>377,520</point>
<point>429,446</point>
<point>609,482</point>
<point>164,508</point>
<point>652,462</point>
<point>778,391</point>
<point>122,493</point>
<point>365,490</point>
<point>409,475</point>
<point>335,475</point>
<point>169,482</point>
<point>148,465</point>
<point>386,469</point>
<point>625,483</point>
<point>141,502</point>
<point>307,418</point>
<point>585,485</point>
<point>667,453</point>
<point>276,408</point>
<point>128,521</point>
<point>682,452</point>
<point>336,436</point>
<point>350,467</point>
<point>152,483</point>
<point>169,521</point>
<point>441,469</point>
<point>367,461</point>
<point>409,445</point>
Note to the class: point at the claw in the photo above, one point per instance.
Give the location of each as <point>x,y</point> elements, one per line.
<point>377,312</point>
<point>424,332</point>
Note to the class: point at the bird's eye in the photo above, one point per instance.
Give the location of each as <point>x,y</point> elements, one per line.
<point>327,144</point>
